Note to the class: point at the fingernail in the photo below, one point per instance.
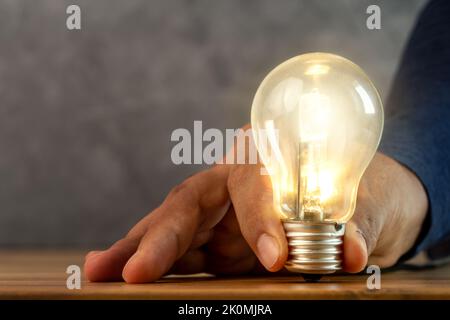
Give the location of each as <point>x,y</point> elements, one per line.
<point>268,250</point>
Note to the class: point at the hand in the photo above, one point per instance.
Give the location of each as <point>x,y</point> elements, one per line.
<point>213,222</point>
<point>220,221</point>
<point>390,210</point>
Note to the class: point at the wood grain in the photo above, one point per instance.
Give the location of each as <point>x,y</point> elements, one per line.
<point>41,275</point>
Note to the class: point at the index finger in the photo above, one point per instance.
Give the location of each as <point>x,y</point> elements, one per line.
<point>196,205</point>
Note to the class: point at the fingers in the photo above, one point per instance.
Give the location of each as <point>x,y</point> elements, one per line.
<point>107,265</point>
<point>190,209</point>
<point>251,195</point>
<point>183,222</point>
<point>165,241</point>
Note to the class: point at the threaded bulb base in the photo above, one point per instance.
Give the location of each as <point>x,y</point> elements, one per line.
<point>314,248</point>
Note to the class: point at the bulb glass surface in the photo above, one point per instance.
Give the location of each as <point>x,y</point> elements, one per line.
<point>317,121</point>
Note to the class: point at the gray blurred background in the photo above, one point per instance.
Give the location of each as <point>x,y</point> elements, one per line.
<point>86,116</point>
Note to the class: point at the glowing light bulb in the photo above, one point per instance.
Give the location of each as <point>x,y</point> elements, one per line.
<point>317,121</point>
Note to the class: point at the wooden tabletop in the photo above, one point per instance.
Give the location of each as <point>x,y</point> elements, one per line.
<point>42,275</point>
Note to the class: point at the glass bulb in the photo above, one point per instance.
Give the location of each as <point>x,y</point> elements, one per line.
<point>317,121</point>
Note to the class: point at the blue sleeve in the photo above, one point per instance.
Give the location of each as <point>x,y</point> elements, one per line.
<point>417,122</point>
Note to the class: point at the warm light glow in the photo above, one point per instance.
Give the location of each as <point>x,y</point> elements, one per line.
<point>314,111</point>
<point>321,183</point>
<point>323,119</point>
<point>367,103</point>
<point>317,69</point>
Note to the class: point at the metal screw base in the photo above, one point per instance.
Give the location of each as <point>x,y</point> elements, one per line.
<point>314,248</point>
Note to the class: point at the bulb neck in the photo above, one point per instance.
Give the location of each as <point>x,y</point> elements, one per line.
<point>314,248</point>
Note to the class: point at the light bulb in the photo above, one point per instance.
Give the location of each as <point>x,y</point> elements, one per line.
<point>317,121</point>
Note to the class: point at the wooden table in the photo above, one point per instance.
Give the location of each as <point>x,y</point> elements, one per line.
<point>42,275</point>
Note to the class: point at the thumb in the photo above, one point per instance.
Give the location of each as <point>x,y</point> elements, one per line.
<point>361,237</point>
<point>355,249</point>
<point>251,195</point>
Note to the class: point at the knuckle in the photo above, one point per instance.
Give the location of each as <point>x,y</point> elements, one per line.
<point>118,243</point>
<point>185,194</point>
<point>124,242</point>
<point>185,187</point>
